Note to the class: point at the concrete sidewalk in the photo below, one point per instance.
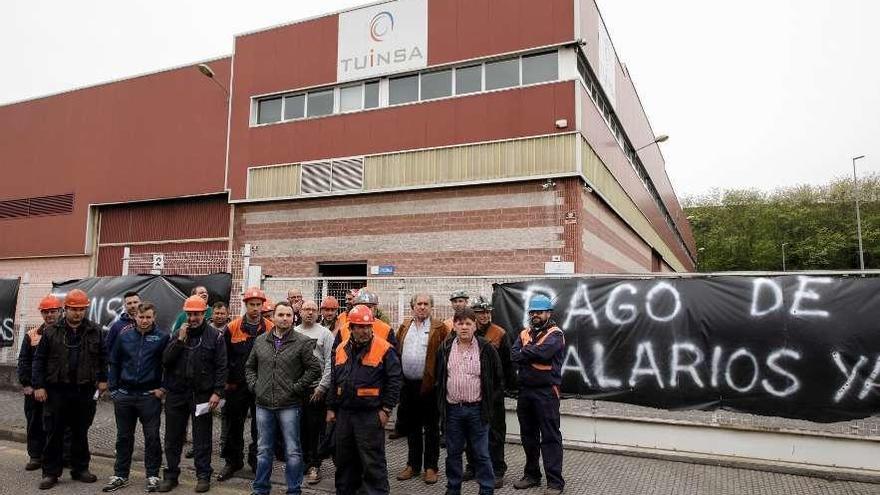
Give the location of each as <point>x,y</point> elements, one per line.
<point>585,471</point>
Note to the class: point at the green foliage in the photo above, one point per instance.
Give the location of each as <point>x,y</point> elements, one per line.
<point>745,229</point>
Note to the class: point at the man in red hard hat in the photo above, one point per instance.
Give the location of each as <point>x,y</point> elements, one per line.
<point>329,313</point>
<point>69,364</point>
<point>240,336</point>
<point>50,310</point>
<point>364,388</point>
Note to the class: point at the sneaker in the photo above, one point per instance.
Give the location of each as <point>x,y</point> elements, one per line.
<point>115,483</point>
<point>152,484</point>
<point>526,482</point>
<point>314,476</point>
<point>167,485</point>
<point>84,476</point>
<point>203,485</point>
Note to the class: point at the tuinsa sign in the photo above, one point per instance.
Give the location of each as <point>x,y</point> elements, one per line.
<point>381,39</point>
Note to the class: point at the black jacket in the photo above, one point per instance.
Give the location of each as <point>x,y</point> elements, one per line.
<point>29,345</point>
<point>198,364</point>
<point>365,377</point>
<point>50,365</point>
<point>491,378</point>
<point>280,378</point>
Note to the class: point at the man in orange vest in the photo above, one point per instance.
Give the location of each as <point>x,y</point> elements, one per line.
<point>364,388</point>
<point>240,336</point>
<point>50,310</point>
<point>537,354</point>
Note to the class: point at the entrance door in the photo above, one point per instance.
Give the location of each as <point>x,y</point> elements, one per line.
<point>355,273</point>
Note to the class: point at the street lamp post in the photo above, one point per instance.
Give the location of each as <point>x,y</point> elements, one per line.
<point>858,214</point>
<point>206,70</point>
<point>659,139</point>
<point>783,255</point>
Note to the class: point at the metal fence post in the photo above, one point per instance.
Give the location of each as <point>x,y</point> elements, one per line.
<point>126,257</point>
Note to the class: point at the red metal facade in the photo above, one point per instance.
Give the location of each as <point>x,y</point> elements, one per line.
<point>157,136</point>
<point>189,218</point>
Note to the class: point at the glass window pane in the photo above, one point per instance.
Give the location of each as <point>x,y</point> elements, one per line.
<point>351,98</point>
<point>436,84</point>
<point>320,103</point>
<point>371,94</point>
<point>540,68</point>
<point>269,110</point>
<point>294,107</point>
<point>468,79</point>
<point>403,90</point>
<point>502,74</point>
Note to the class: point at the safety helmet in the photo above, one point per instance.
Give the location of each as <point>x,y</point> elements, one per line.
<point>268,305</point>
<point>458,294</point>
<point>194,303</point>
<point>329,302</point>
<point>366,297</point>
<point>361,315</point>
<point>253,293</point>
<point>481,304</point>
<point>540,303</point>
<point>76,299</point>
<point>50,302</point>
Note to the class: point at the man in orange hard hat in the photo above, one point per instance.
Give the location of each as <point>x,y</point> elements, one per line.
<point>240,336</point>
<point>329,313</point>
<point>195,373</point>
<point>69,365</point>
<point>50,310</point>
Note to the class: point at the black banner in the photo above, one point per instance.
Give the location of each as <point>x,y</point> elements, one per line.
<point>8,300</point>
<point>805,347</point>
<point>167,292</point>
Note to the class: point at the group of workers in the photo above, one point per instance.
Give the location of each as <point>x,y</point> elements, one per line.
<point>315,381</point>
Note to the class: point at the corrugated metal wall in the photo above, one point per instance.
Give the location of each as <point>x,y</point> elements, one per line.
<point>498,160</point>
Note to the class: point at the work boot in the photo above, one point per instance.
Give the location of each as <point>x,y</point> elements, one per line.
<point>228,472</point>
<point>203,485</point>
<point>552,490</point>
<point>499,481</point>
<point>48,482</point>
<point>314,476</point>
<point>468,474</point>
<point>430,476</point>
<point>33,464</point>
<point>84,476</point>
<point>407,474</point>
<point>167,485</point>
<point>526,482</point>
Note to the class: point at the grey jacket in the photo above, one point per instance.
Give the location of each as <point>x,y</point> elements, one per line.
<point>280,379</point>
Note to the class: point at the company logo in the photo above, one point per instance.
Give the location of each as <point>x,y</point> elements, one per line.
<point>381,26</point>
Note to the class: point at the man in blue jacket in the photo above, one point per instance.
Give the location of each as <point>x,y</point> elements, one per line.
<point>135,384</point>
<point>131,301</point>
<point>537,353</point>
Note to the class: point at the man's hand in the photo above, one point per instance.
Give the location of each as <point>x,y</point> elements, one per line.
<point>383,417</point>
<point>27,390</point>
<point>181,332</point>
<point>158,393</point>
<point>214,401</point>
<point>40,395</point>
<point>317,395</point>
<point>331,416</point>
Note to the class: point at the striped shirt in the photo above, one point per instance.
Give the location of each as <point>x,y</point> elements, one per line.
<point>463,384</point>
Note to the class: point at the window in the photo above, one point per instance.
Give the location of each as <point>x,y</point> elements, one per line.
<point>351,98</point>
<point>436,84</point>
<point>371,94</point>
<point>269,110</point>
<point>320,103</point>
<point>502,74</point>
<point>403,89</point>
<point>540,68</point>
<point>294,107</point>
<point>468,79</point>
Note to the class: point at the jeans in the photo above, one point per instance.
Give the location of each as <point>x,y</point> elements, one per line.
<point>464,424</point>
<point>73,407</point>
<point>179,409</point>
<point>130,408</point>
<point>268,423</point>
<point>423,425</point>
<point>497,438</point>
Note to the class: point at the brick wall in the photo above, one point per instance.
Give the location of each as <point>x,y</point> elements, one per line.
<point>474,230</point>
<point>608,244</point>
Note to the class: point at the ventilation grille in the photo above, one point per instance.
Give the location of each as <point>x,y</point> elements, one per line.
<point>61,204</point>
<point>332,176</point>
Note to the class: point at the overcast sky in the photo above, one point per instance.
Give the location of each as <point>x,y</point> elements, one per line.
<point>753,93</point>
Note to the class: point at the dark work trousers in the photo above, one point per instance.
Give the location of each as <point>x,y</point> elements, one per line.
<point>422,426</point>
<point>129,409</point>
<point>497,438</point>
<point>312,431</point>
<point>73,407</point>
<point>36,437</point>
<point>238,403</point>
<point>179,409</point>
<point>360,453</point>
<point>538,412</point>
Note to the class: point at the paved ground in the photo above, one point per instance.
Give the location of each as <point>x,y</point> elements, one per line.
<point>585,472</point>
